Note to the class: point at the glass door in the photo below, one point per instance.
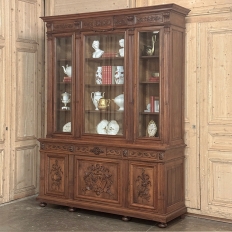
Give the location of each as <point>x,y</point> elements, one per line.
<point>149,84</point>
<point>63,87</point>
<point>104,82</point>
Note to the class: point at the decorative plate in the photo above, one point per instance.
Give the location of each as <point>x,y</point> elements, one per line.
<point>67,127</point>
<point>112,128</point>
<point>102,127</point>
<point>151,129</point>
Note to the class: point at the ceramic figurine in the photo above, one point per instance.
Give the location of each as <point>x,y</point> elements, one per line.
<point>98,52</point>
<point>121,50</point>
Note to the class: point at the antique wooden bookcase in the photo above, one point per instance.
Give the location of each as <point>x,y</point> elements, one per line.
<point>115,112</point>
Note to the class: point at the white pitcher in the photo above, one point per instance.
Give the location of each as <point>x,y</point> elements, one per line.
<point>95,96</point>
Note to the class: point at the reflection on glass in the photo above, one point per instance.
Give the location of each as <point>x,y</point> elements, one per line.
<point>149,85</point>
<point>63,99</point>
<point>104,84</point>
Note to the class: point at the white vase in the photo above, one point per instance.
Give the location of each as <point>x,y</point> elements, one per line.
<point>119,100</point>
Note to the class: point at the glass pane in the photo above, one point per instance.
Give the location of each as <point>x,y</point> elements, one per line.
<point>104,84</point>
<point>63,91</point>
<point>149,84</point>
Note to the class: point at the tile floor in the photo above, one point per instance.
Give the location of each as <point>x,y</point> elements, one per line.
<point>26,215</point>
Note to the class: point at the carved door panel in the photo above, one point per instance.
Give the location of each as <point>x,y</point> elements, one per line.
<point>98,180</point>
<point>56,175</point>
<point>143,185</point>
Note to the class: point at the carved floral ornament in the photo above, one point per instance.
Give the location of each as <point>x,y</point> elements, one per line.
<point>143,185</point>
<point>56,175</point>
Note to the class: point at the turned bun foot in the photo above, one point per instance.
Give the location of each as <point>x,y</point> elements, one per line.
<point>71,209</point>
<point>126,219</point>
<point>162,225</point>
<point>182,216</point>
<point>42,204</point>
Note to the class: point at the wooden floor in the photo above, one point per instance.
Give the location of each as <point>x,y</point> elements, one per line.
<point>26,215</point>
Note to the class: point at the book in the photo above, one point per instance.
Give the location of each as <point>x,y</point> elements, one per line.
<point>152,103</point>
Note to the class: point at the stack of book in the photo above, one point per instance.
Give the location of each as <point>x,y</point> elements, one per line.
<point>154,79</point>
<point>67,79</point>
<point>154,103</point>
<point>108,73</point>
<point>110,54</point>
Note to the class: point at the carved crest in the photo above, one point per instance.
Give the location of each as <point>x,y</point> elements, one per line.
<point>98,179</point>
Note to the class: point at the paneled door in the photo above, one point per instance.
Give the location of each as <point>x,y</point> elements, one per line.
<point>21,96</point>
<point>216,118</point>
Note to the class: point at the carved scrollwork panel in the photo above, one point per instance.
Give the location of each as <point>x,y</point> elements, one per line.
<point>113,152</point>
<point>56,147</point>
<point>152,18</point>
<point>106,22</point>
<point>124,20</point>
<point>63,26</point>
<point>143,154</point>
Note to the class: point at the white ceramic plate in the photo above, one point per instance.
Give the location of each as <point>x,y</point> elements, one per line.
<point>112,128</point>
<point>67,127</point>
<point>102,127</point>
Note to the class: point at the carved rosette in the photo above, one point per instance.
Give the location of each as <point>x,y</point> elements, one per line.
<point>96,151</point>
<point>98,179</point>
<point>143,185</point>
<point>56,176</point>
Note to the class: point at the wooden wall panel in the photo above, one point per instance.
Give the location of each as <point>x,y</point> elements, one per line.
<point>27,21</point>
<point>26,100</point>
<point>80,6</point>
<point>2,93</point>
<point>1,173</point>
<point>25,177</point>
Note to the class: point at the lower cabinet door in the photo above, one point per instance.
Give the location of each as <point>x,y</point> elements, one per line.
<point>143,190</point>
<point>56,175</point>
<point>98,180</point>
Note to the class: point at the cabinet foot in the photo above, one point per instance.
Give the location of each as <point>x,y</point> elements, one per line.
<point>182,216</point>
<point>71,209</point>
<point>126,219</point>
<point>42,204</point>
<point>162,225</point>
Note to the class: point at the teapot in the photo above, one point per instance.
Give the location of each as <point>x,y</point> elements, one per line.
<point>68,70</point>
<point>95,96</point>
<point>103,103</point>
